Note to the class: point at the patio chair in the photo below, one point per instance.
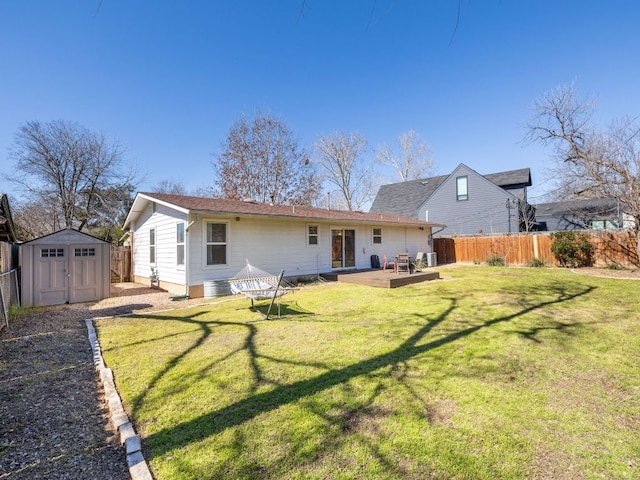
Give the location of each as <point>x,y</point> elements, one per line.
<point>402,263</point>
<point>419,262</point>
<point>388,264</point>
<point>154,278</point>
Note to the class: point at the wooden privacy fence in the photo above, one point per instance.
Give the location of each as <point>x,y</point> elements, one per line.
<point>120,264</point>
<point>609,248</point>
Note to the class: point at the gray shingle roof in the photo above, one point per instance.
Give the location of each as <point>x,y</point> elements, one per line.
<point>404,198</point>
<point>601,206</point>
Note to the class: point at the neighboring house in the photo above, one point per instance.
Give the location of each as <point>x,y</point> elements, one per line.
<point>469,203</point>
<point>8,237</point>
<point>597,214</point>
<point>192,240</point>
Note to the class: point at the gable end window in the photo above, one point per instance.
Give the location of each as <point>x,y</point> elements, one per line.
<point>152,245</point>
<point>377,236</point>
<point>462,192</point>
<point>312,235</point>
<point>216,243</point>
<point>180,244</point>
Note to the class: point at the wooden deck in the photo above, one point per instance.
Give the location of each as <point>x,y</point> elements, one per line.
<point>381,278</point>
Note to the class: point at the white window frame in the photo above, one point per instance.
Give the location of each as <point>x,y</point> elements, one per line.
<point>377,236</point>
<point>462,194</point>
<point>206,243</point>
<point>152,246</point>
<point>315,235</point>
<point>180,245</point>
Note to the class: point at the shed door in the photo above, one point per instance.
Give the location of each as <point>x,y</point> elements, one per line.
<point>85,273</point>
<point>52,282</point>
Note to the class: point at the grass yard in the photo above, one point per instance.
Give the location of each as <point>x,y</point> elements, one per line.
<point>486,374</point>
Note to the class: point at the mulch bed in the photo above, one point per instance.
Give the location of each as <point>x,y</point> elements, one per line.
<point>54,422</point>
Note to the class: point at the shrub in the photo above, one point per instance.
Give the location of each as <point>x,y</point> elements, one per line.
<point>572,249</point>
<point>536,263</point>
<point>495,261</point>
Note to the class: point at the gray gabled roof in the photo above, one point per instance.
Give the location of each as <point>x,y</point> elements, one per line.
<point>592,206</point>
<point>405,198</point>
<point>512,178</point>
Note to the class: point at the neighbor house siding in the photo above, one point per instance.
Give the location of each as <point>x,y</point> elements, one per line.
<point>484,209</point>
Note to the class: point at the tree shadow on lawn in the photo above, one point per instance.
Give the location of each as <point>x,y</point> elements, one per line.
<point>212,423</point>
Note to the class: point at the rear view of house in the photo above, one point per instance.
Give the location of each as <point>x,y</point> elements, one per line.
<point>186,241</point>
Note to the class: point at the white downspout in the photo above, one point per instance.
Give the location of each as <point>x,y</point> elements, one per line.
<point>187,258</point>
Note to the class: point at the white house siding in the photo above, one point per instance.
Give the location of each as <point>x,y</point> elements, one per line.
<point>485,210</point>
<point>164,220</point>
<point>275,244</point>
<point>269,243</point>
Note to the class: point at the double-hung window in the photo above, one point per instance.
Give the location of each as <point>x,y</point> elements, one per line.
<point>180,244</point>
<point>377,235</point>
<point>462,192</point>
<point>216,243</point>
<point>312,235</point>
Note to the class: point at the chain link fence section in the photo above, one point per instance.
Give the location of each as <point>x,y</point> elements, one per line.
<point>9,295</point>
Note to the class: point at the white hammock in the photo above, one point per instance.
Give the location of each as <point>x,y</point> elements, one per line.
<point>257,284</point>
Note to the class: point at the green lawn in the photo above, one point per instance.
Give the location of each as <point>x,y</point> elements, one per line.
<point>486,374</point>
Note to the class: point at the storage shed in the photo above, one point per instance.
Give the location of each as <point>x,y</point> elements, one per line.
<point>67,266</point>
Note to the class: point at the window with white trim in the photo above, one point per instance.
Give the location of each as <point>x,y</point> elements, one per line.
<point>152,245</point>
<point>84,252</point>
<point>216,243</point>
<point>377,235</point>
<point>180,244</point>
<point>312,235</point>
<point>462,191</point>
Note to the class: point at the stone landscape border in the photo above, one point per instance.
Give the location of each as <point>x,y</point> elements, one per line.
<point>129,439</point>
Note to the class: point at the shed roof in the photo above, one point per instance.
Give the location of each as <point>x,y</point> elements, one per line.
<point>67,236</point>
<point>190,204</point>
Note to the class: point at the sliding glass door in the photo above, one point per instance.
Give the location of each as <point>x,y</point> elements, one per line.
<point>343,248</point>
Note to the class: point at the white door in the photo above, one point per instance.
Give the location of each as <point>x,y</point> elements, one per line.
<point>85,274</point>
<point>52,279</point>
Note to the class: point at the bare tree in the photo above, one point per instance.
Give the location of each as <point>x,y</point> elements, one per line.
<point>74,173</point>
<point>34,219</point>
<point>413,162</point>
<point>343,166</point>
<point>593,163</point>
<point>261,160</point>
<point>173,187</point>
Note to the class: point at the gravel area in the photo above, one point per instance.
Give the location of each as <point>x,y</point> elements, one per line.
<point>53,419</point>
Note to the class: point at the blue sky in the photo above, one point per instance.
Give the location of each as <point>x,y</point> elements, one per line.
<point>167,78</point>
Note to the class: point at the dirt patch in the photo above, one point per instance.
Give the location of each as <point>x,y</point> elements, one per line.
<point>629,273</point>
<point>54,421</point>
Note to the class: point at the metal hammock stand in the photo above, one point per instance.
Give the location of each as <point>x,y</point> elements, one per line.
<point>257,284</point>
